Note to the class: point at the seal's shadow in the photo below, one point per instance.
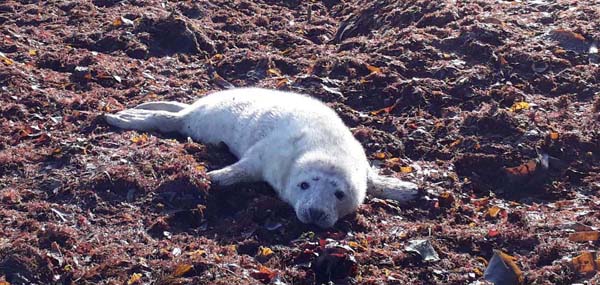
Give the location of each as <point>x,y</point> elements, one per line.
<point>251,213</point>
<point>238,212</point>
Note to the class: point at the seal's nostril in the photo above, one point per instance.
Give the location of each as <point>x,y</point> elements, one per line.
<point>315,214</point>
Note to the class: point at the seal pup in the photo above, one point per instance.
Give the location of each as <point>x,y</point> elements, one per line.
<point>295,143</point>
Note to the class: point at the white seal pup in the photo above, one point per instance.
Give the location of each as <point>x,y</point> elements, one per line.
<point>295,143</point>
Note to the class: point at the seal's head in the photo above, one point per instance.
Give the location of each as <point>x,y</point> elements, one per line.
<point>321,192</point>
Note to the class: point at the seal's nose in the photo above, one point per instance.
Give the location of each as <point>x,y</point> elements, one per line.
<point>316,214</point>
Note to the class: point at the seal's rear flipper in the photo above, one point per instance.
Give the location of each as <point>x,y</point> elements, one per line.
<point>169,106</point>
<point>391,188</point>
<point>146,120</point>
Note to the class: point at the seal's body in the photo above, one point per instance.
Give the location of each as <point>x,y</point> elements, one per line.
<point>293,142</point>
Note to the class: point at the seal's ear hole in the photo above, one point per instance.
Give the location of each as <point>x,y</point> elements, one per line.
<point>304,185</point>
<point>340,195</point>
<point>316,178</point>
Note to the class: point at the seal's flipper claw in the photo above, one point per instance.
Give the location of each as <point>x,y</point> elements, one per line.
<point>391,188</point>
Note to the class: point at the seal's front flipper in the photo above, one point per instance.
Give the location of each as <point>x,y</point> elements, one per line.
<point>169,106</point>
<point>146,120</point>
<point>391,188</point>
<point>238,172</point>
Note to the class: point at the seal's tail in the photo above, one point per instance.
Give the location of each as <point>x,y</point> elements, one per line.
<point>161,116</point>
<point>168,106</point>
<point>391,188</point>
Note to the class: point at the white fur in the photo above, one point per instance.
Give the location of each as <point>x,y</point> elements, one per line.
<point>282,138</point>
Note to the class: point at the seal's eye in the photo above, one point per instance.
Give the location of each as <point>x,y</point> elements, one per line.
<point>340,195</point>
<point>304,185</point>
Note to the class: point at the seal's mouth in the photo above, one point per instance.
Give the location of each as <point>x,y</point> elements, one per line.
<point>315,216</point>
